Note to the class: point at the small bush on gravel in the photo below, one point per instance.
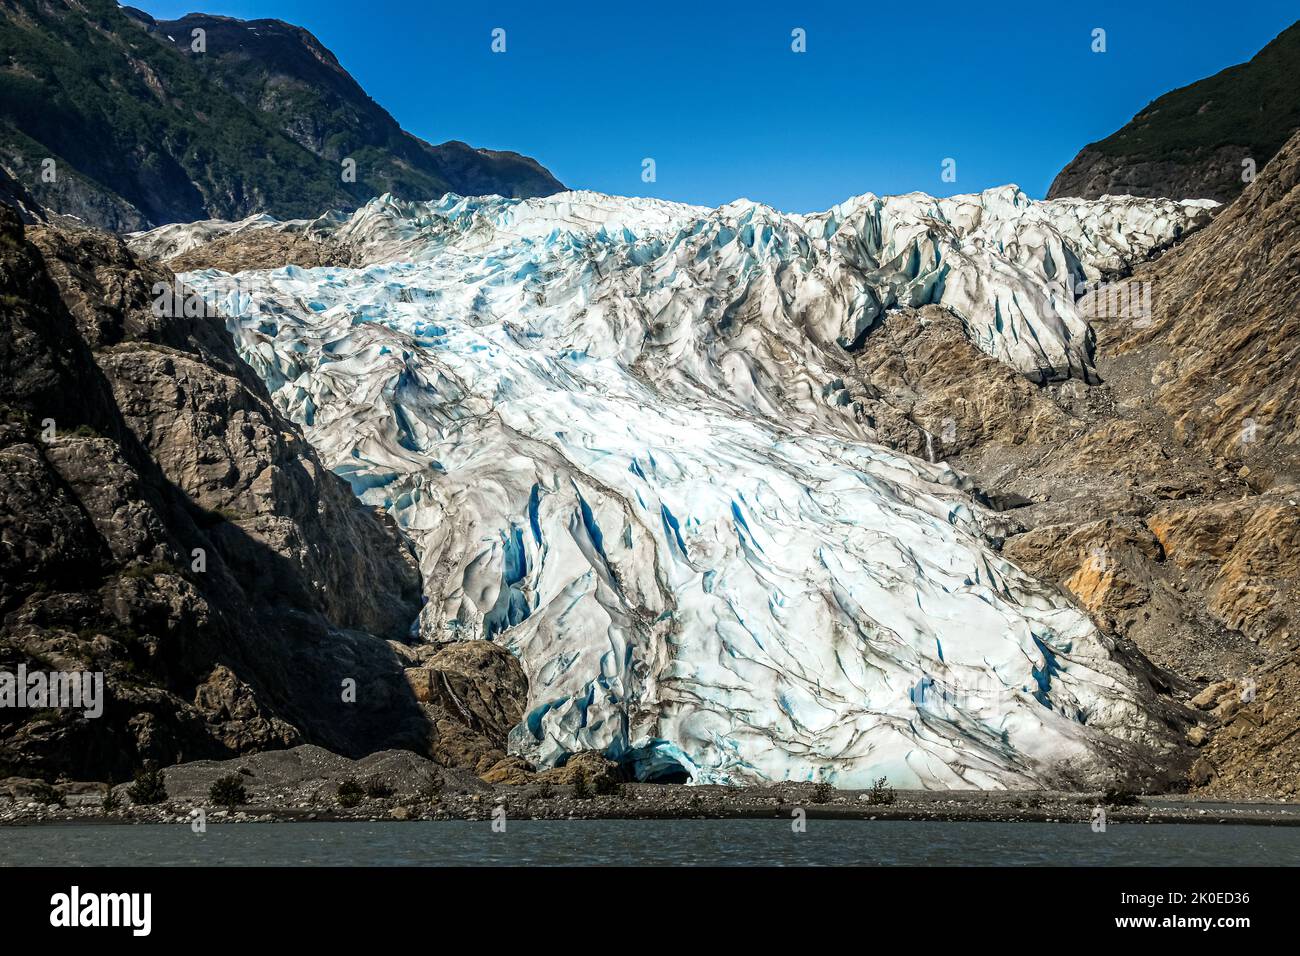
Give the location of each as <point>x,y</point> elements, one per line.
<point>881,793</point>
<point>1116,797</point>
<point>228,792</point>
<point>148,787</point>
<point>430,786</point>
<point>377,787</point>
<point>350,793</point>
<point>607,786</point>
<point>580,789</point>
<point>44,793</point>
<point>823,792</point>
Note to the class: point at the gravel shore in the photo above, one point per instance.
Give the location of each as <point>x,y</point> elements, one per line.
<point>657,802</point>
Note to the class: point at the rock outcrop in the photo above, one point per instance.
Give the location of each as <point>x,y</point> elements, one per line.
<point>474,694</point>
<point>163,524</point>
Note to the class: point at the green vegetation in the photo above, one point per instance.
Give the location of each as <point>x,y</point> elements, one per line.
<point>881,793</point>
<point>580,789</point>
<point>150,570</point>
<point>210,518</point>
<point>42,792</point>
<point>149,787</point>
<point>1118,797</point>
<point>141,127</point>
<point>228,792</point>
<point>87,89</point>
<point>350,793</point>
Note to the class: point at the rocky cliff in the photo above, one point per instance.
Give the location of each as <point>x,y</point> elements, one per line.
<point>162,523</point>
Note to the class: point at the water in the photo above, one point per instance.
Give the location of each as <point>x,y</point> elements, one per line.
<point>650,842</point>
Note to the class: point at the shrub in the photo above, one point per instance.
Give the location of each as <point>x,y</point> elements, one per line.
<point>881,793</point>
<point>545,791</point>
<point>1116,797</point>
<point>350,793</point>
<point>42,792</point>
<point>149,570</point>
<point>823,792</point>
<point>429,786</point>
<point>580,789</point>
<point>148,786</point>
<point>228,792</point>
<point>376,787</point>
<point>607,786</point>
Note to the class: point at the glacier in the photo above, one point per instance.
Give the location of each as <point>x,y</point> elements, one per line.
<point>616,432</point>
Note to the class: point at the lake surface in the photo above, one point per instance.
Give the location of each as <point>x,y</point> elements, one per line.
<point>651,842</point>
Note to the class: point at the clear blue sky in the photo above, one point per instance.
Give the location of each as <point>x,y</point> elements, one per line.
<point>713,92</point>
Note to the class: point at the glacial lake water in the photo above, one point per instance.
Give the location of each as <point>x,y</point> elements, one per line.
<point>652,842</point>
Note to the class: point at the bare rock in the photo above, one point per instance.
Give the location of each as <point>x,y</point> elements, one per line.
<point>588,764</point>
<point>161,522</point>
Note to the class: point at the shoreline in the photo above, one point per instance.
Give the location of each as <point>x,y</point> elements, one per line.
<point>677,802</point>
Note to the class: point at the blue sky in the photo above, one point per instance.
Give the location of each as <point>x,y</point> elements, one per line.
<point>713,93</point>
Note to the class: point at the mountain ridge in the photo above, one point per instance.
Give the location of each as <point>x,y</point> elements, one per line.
<point>107,120</point>
<point>1191,142</point>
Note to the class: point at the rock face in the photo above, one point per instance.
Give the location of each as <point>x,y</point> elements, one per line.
<point>144,129</point>
<point>164,524</point>
<point>1192,141</point>
<point>474,693</point>
<point>1223,345</point>
<point>262,249</point>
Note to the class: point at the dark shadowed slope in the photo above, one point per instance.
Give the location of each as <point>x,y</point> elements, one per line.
<point>162,523</point>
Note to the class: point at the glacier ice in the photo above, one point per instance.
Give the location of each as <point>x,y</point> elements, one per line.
<point>613,430</point>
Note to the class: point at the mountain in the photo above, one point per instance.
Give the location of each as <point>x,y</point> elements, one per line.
<point>913,488</point>
<point>285,74</point>
<point>631,443</point>
<point>1191,142</point>
<point>143,131</point>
